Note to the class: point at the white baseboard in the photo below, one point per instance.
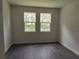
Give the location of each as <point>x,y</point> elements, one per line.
<point>8,48</point>
<point>70,49</point>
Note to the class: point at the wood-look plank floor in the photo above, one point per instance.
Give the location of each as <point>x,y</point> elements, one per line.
<point>43,51</point>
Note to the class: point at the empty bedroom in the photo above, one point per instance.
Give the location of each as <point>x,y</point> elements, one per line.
<point>39,29</point>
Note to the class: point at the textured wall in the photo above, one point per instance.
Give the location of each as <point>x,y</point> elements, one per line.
<point>19,36</point>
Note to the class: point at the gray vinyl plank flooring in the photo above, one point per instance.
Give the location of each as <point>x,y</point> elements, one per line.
<point>40,51</point>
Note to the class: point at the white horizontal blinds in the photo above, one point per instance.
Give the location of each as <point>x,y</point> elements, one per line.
<point>45,21</point>
<point>30,21</point>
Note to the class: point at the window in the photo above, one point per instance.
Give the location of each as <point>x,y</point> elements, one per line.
<point>45,21</point>
<point>29,21</point>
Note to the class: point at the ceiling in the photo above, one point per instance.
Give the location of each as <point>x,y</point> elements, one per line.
<point>41,3</point>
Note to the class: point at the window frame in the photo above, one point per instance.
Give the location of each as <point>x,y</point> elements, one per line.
<point>46,22</point>
<point>30,22</point>
<point>38,23</point>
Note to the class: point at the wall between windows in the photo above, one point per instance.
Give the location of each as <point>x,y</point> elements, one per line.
<point>18,34</point>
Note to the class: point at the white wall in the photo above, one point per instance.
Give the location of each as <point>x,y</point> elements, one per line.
<point>1,33</point>
<point>7,25</point>
<point>69,27</point>
<point>18,34</point>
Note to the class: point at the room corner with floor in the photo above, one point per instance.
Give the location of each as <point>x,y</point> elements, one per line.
<point>39,29</point>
